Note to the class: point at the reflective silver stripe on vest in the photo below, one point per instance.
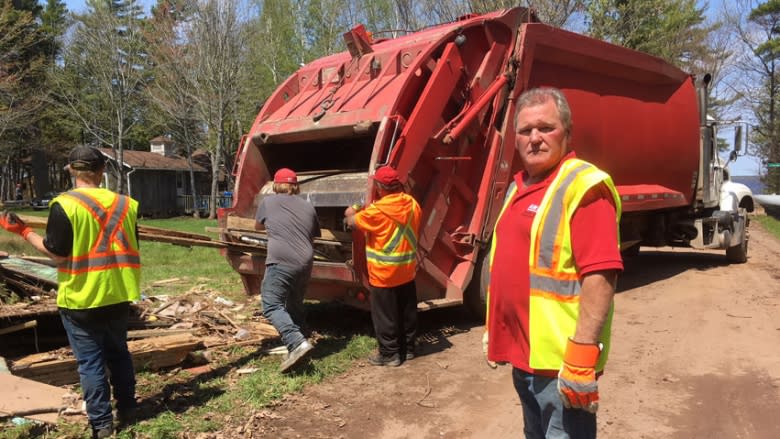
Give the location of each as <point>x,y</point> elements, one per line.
<point>391,259</point>
<point>561,287</point>
<point>102,262</point>
<point>405,231</point>
<point>553,219</point>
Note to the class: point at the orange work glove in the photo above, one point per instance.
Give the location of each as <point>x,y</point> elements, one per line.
<point>577,377</point>
<point>11,222</point>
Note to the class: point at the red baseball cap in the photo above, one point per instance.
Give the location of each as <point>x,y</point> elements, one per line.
<point>285,175</point>
<point>387,176</point>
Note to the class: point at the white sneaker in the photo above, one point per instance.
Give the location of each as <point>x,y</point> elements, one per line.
<point>295,355</point>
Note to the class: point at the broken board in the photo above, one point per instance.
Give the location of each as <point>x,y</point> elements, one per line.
<point>151,353</point>
<point>21,395</point>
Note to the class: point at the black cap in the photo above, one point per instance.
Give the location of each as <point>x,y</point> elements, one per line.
<point>85,158</point>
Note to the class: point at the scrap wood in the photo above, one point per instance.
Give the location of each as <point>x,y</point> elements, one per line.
<point>169,236</point>
<point>29,310</point>
<point>151,353</point>
<point>240,224</point>
<point>148,333</point>
<point>30,399</point>
<point>159,283</point>
<point>34,271</point>
<point>264,236</point>
<point>19,327</point>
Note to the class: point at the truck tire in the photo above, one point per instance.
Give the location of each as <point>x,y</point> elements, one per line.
<point>475,296</point>
<point>738,253</point>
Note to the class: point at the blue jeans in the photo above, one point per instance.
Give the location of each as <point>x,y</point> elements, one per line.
<point>543,413</point>
<point>98,338</point>
<point>281,294</point>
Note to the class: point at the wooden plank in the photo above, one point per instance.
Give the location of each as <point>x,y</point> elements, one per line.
<point>161,231</point>
<point>262,235</point>
<point>148,333</point>
<point>151,353</point>
<point>22,395</point>
<point>39,272</point>
<point>248,225</point>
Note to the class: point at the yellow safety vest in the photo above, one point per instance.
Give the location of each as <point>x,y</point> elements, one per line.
<point>104,267</point>
<point>554,280</point>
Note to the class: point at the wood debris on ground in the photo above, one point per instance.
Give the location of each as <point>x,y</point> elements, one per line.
<point>164,330</point>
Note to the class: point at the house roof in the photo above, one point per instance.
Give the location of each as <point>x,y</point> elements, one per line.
<point>152,161</point>
<point>161,139</point>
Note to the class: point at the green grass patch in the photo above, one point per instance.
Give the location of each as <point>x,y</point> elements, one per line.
<point>196,266</point>
<point>769,223</point>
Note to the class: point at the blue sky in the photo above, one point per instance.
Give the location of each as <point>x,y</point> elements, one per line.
<point>81,5</point>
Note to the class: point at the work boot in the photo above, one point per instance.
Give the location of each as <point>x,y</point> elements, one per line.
<point>295,355</point>
<point>377,359</point>
<point>102,433</point>
<point>126,416</point>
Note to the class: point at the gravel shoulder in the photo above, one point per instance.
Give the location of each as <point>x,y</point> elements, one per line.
<point>695,355</point>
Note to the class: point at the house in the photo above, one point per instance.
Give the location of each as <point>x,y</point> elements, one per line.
<point>159,179</point>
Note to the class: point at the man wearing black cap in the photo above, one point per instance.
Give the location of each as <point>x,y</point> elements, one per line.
<point>291,223</point>
<point>91,235</point>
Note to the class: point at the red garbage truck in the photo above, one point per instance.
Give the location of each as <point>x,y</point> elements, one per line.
<point>439,106</point>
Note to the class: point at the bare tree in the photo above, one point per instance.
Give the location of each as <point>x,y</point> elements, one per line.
<point>216,52</point>
<point>757,28</point>
<point>104,76</point>
<point>171,91</point>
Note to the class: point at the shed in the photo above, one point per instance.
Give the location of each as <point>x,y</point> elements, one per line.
<point>158,180</point>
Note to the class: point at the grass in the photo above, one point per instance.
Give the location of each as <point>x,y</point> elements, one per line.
<point>175,402</point>
<point>769,223</point>
<point>196,266</point>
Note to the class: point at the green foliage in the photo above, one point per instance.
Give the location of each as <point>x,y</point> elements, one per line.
<point>670,29</point>
<point>767,16</point>
<point>22,67</point>
<point>766,133</point>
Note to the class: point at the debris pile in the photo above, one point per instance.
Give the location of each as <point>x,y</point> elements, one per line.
<point>164,331</point>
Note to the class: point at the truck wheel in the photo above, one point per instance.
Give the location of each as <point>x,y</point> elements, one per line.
<point>475,296</point>
<point>738,253</point>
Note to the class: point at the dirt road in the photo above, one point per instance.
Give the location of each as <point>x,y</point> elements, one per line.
<point>696,354</point>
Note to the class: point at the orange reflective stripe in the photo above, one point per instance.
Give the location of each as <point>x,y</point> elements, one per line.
<point>554,296</point>
<point>101,256</point>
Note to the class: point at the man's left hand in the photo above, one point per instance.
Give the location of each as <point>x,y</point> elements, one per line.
<point>577,378</point>
<point>11,222</point>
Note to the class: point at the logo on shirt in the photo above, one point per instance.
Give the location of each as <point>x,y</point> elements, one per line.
<point>533,208</point>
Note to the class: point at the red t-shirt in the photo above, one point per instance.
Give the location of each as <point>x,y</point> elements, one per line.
<point>594,244</point>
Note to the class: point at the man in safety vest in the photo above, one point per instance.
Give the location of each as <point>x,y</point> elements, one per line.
<point>391,225</point>
<point>91,235</point>
<point>554,261</point>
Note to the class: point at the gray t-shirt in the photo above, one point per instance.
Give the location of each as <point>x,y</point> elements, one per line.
<point>291,223</point>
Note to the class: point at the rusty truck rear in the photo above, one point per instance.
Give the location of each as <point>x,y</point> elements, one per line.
<point>431,104</point>
<point>439,105</point>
